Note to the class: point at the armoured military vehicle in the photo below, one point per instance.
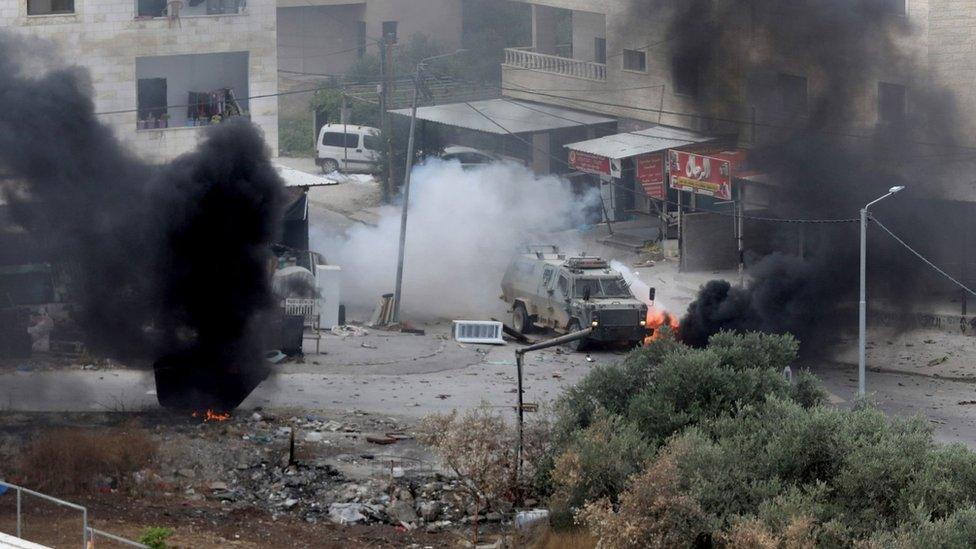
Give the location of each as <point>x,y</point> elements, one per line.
<point>547,289</point>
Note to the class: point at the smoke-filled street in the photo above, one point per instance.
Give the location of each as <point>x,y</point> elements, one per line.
<point>487,273</point>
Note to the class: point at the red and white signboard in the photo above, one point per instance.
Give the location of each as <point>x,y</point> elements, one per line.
<point>650,174</point>
<point>591,163</point>
<point>700,174</point>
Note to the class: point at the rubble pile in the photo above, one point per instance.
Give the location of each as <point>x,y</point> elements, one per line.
<point>247,463</point>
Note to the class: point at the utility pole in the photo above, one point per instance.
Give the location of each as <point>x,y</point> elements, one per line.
<point>386,62</point>
<point>862,304</point>
<point>418,74</point>
<point>382,88</point>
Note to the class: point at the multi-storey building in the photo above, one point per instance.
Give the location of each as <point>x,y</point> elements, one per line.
<point>163,69</point>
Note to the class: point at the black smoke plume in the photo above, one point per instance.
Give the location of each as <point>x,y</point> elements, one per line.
<point>170,263</point>
<point>827,158</point>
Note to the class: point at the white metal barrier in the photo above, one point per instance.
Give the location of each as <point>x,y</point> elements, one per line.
<point>87,533</point>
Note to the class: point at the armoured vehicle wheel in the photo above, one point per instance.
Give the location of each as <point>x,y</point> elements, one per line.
<point>579,344</point>
<point>520,319</point>
<point>329,166</point>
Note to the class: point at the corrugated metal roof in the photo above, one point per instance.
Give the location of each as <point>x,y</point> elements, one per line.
<point>511,114</point>
<point>298,178</point>
<point>624,145</point>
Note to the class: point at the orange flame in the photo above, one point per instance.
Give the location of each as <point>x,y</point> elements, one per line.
<point>656,319</point>
<point>210,415</point>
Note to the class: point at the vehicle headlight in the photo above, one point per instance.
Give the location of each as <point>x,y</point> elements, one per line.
<point>595,323</point>
<point>643,323</point>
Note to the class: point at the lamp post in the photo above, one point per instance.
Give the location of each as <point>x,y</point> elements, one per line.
<point>862,304</point>
<point>406,179</point>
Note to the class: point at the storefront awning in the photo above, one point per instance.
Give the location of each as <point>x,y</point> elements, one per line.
<point>625,145</point>
<point>500,116</point>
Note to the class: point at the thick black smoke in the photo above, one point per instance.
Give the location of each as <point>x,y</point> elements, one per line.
<point>170,262</point>
<point>827,159</point>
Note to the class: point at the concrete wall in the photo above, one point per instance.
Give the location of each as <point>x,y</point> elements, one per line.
<point>105,37</point>
<point>312,39</point>
<point>319,39</point>
<point>586,27</point>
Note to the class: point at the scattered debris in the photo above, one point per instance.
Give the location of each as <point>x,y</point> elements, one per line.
<point>380,439</point>
<point>345,331</point>
<point>966,402</point>
<point>383,314</point>
<point>936,361</point>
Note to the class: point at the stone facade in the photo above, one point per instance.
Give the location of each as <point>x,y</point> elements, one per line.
<point>934,35</point>
<point>106,37</point>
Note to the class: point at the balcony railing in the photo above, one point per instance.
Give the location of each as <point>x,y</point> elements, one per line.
<point>526,59</point>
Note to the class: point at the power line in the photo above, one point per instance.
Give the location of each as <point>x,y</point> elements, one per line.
<point>920,256</point>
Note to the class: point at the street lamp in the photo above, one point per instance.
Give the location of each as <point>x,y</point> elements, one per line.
<point>406,179</point>
<point>863,303</point>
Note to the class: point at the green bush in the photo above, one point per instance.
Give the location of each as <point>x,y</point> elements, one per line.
<point>750,457</point>
<point>155,537</point>
<point>295,136</point>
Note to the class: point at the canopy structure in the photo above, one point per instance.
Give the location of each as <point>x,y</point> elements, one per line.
<point>625,145</point>
<point>501,116</point>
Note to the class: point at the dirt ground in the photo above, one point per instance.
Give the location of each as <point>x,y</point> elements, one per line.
<point>217,484</point>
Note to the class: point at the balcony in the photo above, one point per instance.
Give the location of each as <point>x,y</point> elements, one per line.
<point>524,58</point>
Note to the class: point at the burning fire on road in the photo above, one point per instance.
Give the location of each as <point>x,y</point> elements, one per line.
<point>211,415</point>
<point>658,319</point>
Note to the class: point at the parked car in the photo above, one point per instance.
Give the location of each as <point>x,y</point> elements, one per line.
<point>547,289</point>
<point>469,157</point>
<point>348,148</point>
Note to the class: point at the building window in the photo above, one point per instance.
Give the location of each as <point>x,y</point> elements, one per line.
<point>892,103</point>
<point>208,87</point>
<point>151,103</point>
<point>684,73</point>
<point>360,38</point>
<point>191,8</point>
<point>600,50</point>
<point>390,31</point>
<point>151,8</point>
<point>792,91</point>
<point>895,6</point>
<point>635,60</point>
<point>50,7</point>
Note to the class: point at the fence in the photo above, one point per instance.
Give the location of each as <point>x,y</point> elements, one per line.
<point>87,532</point>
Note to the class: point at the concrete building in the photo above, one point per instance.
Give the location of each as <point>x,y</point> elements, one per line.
<point>164,68</point>
<point>329,36</point>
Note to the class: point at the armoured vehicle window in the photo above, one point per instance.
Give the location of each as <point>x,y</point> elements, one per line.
<point>605,287</point>
<point>615,287</point>
<point>546,277</point>
<point>591,284</point>
<point>564,285</point>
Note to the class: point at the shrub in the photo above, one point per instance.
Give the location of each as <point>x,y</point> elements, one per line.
<point>295,136</point>
<point>653,512</point>
<point>597,462</point>
<point>155,537</point>
<point>72,460</point>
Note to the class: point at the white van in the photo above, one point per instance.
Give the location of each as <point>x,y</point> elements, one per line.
<point>348,148</point>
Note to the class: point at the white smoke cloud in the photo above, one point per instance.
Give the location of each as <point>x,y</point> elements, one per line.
<point>463,228</point>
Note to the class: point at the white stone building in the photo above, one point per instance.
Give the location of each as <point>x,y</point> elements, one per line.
<point>164,67</point>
